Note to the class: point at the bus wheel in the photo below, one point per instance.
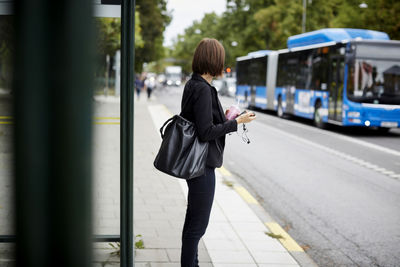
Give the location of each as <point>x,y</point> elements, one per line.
<point>279,110</point>
<point>318,117</point>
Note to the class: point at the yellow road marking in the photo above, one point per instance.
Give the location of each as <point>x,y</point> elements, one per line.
<point>224,171</point>
<point>245,195</point>
<point>107,118</point>
<point>167,110</point>
<point>239,189</point>
<point>287,241</point>
<point>104,123</point>
<point>96,118</point>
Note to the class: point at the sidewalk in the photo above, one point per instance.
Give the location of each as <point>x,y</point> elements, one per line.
<point>236,235</point>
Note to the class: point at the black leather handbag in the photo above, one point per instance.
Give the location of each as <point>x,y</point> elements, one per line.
<point>181,154</point>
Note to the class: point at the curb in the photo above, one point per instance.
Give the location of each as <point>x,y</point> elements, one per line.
<point>286,240</point>
<point>294,249</point>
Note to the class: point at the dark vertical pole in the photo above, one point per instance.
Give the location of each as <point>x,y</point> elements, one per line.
<point>52,85</point>
<point>127,79</point>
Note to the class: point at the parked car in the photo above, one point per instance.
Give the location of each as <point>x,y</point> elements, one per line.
<point>228,87</point>
<point>217,84</point>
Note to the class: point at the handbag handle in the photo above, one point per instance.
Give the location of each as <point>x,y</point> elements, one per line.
<point>165,123</point>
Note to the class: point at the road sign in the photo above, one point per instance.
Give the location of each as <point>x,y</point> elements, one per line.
<point>101,8</point>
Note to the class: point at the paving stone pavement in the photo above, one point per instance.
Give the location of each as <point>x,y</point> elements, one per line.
<point>235,236</point>
<point>159,203</point>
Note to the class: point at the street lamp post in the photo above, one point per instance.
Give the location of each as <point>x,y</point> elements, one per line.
<point>303,23</point>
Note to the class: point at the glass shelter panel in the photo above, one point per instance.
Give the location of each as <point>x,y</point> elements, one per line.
<point>7,212</point>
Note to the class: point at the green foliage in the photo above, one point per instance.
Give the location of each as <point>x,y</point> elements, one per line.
<point>153,20</point>
<point>276,236</point>
<point>279,21</point>
<point>109,35</point>
<point>109,40</point>
<point>186,43</point>
<point>266,24</point>
<point>117,245</point>
<point>381,15</point>
<point>139,243</point>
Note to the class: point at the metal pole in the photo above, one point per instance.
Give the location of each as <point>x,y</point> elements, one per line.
<point>53,121</point>
<point>303,22</point>
<point>127,79</point>
<point>96,238</point>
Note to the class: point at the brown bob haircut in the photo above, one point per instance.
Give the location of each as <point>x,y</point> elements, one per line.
<point>209,57</point>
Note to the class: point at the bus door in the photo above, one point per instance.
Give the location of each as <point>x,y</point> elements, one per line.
<point>291,85</point>
<point>253,69</point>
<point>336,89</point>
<point>252,95</point>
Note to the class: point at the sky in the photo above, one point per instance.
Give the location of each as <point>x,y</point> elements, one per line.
<point>184,12</point>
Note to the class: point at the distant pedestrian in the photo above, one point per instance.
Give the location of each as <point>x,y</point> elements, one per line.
<point>139,85</point>
<point>150,83</point>
<point>203,108</point>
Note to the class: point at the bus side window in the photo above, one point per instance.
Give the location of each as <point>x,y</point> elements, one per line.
<point>282,71</point>
<point>320,70</point>
<point>303,79</point>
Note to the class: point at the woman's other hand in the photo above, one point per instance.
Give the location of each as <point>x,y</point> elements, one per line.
<point>246,117</point>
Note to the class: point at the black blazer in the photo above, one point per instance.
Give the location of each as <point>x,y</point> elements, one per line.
<point>200,105</point>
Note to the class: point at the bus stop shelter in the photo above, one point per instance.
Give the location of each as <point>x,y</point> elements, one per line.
<point>53,68</point>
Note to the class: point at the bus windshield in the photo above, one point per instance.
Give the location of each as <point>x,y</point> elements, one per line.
<point>374,81</point>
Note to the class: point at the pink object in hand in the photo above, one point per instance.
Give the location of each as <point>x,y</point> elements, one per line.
<point>233,112</point>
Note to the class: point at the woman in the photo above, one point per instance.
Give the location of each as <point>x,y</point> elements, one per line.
<point>200,104</point>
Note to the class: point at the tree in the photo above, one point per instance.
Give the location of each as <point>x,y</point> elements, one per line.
<point>153,20</point>
<point>109,34</point>
<point>380,15</point>
<point>185,44</point>
<point>109,41</point>
<point>251,25</point>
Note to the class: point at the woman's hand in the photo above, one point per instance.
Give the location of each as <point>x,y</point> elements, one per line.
<point>246,117</point>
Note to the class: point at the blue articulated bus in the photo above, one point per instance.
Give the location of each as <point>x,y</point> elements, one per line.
<point>348,77</point>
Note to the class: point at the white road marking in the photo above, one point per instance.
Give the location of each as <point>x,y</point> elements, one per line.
<point>343,137</point>
<point>348,157</point>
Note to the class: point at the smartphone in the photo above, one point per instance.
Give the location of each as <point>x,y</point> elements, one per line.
<point>253,114</point>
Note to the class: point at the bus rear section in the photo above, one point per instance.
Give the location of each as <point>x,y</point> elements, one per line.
<point>253,73</point>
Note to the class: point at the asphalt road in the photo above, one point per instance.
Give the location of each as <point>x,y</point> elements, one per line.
<point>337,191</point>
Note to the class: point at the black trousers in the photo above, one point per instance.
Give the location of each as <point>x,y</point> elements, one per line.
<point>200,199</point>
<point>149,90</point>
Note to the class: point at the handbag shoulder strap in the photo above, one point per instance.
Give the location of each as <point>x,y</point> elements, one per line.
<point>165,124</point>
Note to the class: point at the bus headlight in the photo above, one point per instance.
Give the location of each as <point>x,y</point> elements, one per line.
<point>353,114</point>
<point>367,123</point>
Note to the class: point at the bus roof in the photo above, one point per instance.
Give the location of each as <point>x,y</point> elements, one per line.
<point>333,35</point>
<point>255,54</point>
